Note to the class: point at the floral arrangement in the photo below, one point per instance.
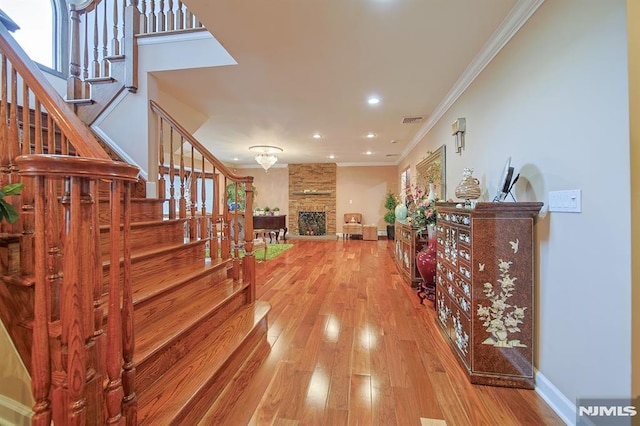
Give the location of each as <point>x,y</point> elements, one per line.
<point>422,211</point>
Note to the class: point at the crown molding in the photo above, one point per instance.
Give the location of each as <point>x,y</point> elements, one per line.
<point>517,17</point>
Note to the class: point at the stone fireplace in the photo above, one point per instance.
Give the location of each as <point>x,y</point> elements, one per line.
<point>312,191</point>
<point>312,223</point>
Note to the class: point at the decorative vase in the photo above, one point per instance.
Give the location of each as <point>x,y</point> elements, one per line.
<point>469,187</point>
<point>401,212</point>
<point>432,193</point>
<point>426,263</point>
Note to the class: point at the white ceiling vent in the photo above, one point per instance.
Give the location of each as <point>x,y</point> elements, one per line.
<point>413,119</point>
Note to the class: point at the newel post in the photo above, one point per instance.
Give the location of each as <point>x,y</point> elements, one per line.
<point>249,261</point>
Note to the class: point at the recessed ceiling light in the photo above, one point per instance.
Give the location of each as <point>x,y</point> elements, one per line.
<point>235,158</point>
<point>394,141</point>
<point>317,136</point>
<point>332,156</point>
<point>368,152</point>
<point>373,100</point>
<point>371,135</point>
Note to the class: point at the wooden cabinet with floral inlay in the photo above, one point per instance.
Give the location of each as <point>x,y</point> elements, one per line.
<point>484,289</point>
<point>406,245</point>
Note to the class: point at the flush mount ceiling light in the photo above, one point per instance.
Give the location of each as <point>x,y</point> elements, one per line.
<point>316,136</point>
<point>371,135</point>
<point>266,156</point>
<point>373,100</point>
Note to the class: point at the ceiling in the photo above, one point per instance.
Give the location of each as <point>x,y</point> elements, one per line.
<point>307,66</point>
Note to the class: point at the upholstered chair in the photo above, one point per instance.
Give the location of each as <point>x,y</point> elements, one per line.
<point>352,224</point>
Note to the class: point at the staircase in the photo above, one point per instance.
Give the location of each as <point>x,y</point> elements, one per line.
<point>124,310</point>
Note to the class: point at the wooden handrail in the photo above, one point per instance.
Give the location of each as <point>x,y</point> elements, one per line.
<point>193,141</point>
<point>74,129</point>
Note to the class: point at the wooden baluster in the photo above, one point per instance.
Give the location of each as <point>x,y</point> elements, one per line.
<point>161,17</point>
<point>180,16</point>
<point>130,402</point>
<point>249,261</point>
<point>96,44</point>
<point>27,258</point>
<point>51,143</point>
<point>96,268</point>
<point>74,354</point>
<point>37,128</point>
<point>144,22</point>
<point>40,356</point>
<point>204,222</point>
<point>171,25</point>
<point>172,177</point>
<point>152,17</point>
<point>188,19</point>
<point>123,9</point>
<point>74,83</point>
<point>14,146</point>
<point>115,43</point>
<point>183,201</point>
<point>85,60</point>
<point>215,202</point>
<point>236,236</point>
<point>193,198</point>
<point>106,71</point>
<point>26,120</point>
<point>114,391</point>
<point>162,184</point>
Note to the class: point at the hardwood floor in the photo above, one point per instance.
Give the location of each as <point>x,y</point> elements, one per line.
<point>351,344</point>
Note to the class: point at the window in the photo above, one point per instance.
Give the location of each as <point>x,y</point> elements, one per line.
<point>42,34</point>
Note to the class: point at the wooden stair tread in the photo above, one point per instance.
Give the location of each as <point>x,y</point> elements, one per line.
<point>173,392</point>
<point>153,285</point>
<point>147,223</point>
<point>173,315</point>
<point>157,250</point>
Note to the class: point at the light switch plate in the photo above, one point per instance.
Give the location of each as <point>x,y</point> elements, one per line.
<point>569,201</point>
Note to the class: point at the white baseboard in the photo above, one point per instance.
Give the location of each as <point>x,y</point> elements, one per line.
<point>559,403</point>
<point>13,413</point>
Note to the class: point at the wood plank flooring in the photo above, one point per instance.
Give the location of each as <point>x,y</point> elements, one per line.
<point>351,345</point>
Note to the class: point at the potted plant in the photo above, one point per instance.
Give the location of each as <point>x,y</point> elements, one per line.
<point>390,203</point>
<point>7,212</point>
<point>266,210</point>
<point>236,198</point>
<point>276,211</point>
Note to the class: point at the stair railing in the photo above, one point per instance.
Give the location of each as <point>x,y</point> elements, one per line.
<point>196,185</point>
<point>80,373</point>
<point>104,31</point>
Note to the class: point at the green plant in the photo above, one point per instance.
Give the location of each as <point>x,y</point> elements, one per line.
<point>7,212</point>
<point>276,209</point>
<point>390,203</point>
<point>240,194</point>
<point>266,209</point>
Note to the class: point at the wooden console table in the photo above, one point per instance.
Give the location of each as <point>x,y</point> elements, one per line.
<point>272,223</point>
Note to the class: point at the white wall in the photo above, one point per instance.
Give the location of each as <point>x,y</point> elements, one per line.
<point>555,100</point>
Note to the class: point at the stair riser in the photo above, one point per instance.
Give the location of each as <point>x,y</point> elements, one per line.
<point>143,237</point>
<point>201,401</point>
<point>142,210</point>
<point>144,308</point>
<point>154,366</point>
<point>143,267</point>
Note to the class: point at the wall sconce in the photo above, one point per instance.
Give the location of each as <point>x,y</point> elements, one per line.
<point>458,128</point>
